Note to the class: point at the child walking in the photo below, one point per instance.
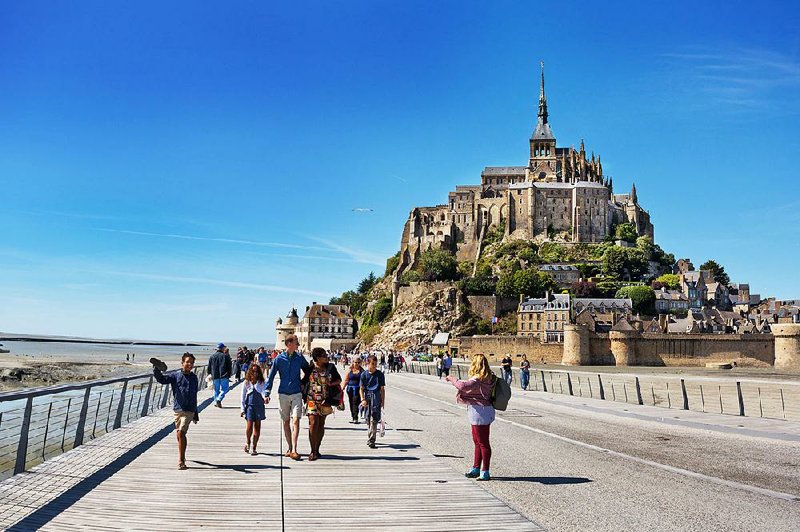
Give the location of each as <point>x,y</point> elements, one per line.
<point>352,384</point>
<point>373,397</point>
<point>476,393</point>
<point>253,411</point>
<point>184,392</point>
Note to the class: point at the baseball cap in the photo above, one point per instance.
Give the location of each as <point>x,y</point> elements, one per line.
<point>220,345</point>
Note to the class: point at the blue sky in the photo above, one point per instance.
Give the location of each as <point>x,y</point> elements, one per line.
<point>189,170</point>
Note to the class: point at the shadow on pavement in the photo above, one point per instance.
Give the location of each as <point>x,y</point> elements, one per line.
<point>546,480</point>
<point>376,457</point>
<point>242,468</point>
<point>447,456</point>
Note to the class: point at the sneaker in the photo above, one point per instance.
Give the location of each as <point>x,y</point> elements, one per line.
<point>158,364</point>
<point>485,476</point>
<point>473,473</point>
<point>371,445</point>
<point>218,404</point>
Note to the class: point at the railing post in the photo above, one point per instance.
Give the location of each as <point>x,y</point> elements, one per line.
<point>638,391</point>
<point>569,384</point>
<point>22,448</point>
<point>602,391</point>
<point>82,419</point>
<point>544,384</point>
<point>120,406</point>
<point>147,397</point>
<point>164,395</point>
<point>685,395</point>
<point>741,399</point>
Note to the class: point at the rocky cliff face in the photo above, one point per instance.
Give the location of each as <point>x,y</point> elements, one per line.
<point>416,320</point>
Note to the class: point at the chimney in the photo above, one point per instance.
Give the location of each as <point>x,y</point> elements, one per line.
<point>662,322</point>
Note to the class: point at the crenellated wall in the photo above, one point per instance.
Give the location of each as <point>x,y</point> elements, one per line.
<point>496,347</point>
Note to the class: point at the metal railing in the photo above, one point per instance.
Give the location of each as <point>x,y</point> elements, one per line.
<point>40,423</point>
<point>741,397</point>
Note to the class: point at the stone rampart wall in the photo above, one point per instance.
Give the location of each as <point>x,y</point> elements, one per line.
<point>496,347</point>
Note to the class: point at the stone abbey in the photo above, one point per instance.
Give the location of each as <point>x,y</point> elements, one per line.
<point>560,195</point>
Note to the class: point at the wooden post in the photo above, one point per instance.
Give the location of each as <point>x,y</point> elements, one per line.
<point>22,448</point>
<point>544,384</point>
<point>602,391</point>
<point>79,431</point>
<point>120,406</point>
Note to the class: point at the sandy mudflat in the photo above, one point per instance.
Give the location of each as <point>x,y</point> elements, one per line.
<point>26,371</point>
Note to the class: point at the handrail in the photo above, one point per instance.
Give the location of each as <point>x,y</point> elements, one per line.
<point>742,397</point>
<point>131,399</point>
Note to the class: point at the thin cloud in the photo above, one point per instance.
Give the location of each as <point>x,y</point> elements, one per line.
<point>211,239</point>
<point>740,79</point>
<point>365,257</point>
<point>216,282</point>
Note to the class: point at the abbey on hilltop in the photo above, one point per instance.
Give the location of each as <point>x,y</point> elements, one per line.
<point>560,195</point>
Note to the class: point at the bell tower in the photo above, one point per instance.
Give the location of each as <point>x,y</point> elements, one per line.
<point>542,161</point>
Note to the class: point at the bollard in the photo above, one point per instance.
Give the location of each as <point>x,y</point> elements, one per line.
<point>569,384</point>
<point>544,384</point>
<point>685,395</point>
<point>602,391</point>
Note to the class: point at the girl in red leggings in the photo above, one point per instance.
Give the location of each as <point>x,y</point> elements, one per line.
<point>476,393</point>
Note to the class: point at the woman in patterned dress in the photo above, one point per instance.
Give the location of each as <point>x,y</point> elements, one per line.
<point>323,379</point>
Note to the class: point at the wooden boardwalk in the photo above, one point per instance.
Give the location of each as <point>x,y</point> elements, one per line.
<point>128,479</point>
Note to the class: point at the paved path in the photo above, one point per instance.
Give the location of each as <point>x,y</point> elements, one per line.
<point>571,463</point>
<point>128,480</point>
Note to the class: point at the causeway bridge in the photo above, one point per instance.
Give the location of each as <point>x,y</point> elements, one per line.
<point>102,455</point>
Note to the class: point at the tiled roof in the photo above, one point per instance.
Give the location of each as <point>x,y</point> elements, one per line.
<point>557,267</point>
<point>609,302</point>
<point>504,170</point>
<point>328,311</point>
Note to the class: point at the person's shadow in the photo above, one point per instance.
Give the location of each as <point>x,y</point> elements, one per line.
<point>241,468</point>
<point>548,481</point>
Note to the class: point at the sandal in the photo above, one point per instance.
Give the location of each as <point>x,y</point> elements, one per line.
<point>182,466</point>
<point>247,448</point>
<point>253,452</point>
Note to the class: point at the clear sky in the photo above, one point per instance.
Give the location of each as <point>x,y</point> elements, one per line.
<point>189,170</point>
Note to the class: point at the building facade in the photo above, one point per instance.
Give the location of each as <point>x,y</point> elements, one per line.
<point>561,194</point>
<point>325,322</point>
<point>544,318</point>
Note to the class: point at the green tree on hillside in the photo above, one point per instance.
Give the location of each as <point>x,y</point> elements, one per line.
<point>642,297</point>
<point>626,232</point>
<point>392,263</point>
<point>438,265</point>
<point>717,271</point>
<point>670,280</point>
<point>529,282</point>
<point>367,283</point>
<point>625,263</point>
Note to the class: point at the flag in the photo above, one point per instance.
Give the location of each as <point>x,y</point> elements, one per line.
<point>494,319</point>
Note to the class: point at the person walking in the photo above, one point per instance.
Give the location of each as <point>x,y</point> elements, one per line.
<point>252,404</point>
<point>184,393</point>
<point>322,393</point>
<point>261,357</point>
<point>219,367</point>
<point>506,368</point>
<point>351,386</point>
<point>288,365</point>
<point>476,393</point>
<point>439,365</point>
<point>238,363</point>
<point>524,372</point>
<point>447,363</point>
<point>373,397</point>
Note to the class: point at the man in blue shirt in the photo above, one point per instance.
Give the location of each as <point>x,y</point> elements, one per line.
<point>184,391</point>
<point>288,365</point>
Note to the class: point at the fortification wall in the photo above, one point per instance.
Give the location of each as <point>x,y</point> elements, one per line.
<point>496,347</point>
<point>488,306</point>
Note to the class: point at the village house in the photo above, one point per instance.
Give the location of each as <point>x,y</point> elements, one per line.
<point>328,326</point>
<point>670,301</point>
<point>601,314</point>
<point>563,274</point>
<point>544,318</point>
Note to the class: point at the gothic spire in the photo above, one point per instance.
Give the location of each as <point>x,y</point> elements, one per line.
<point>542,131</point>
<point>633,194</point>
<point>542,100</point>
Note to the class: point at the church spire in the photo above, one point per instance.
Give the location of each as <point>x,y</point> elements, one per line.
<point>542,100</point>
<point>634,199</point>
<point>543,131</point>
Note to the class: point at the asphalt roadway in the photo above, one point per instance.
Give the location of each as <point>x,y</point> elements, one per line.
<point>571,463</point>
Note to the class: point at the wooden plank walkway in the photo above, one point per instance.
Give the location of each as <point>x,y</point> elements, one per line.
<point>127,479</point>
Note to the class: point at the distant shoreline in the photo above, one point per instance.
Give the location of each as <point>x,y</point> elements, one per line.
<point>70,340</point>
